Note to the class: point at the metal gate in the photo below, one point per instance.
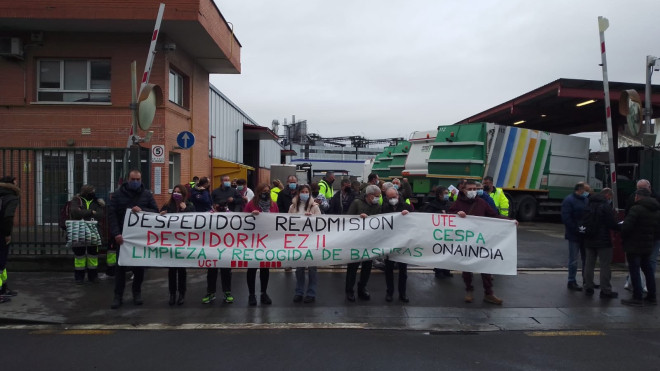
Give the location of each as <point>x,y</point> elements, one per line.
<point>48,178</point>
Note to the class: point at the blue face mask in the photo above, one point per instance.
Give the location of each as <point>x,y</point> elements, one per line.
<point>480,192</point>
<point>445,196</point>
<point>240,188</point>
<point>226,184</point>
<point>304,197</point>
<point>585,194</point>
<point>134,184</point>
<point>293,185</point>
<point>396,186</point>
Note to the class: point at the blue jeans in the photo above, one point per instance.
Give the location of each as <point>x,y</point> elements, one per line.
<point>300,282</point>
<point>575,248</point>
<point>643,261</point>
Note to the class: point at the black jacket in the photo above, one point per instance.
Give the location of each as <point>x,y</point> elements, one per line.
<point>338,207</point>
<point>221,196</point>
<point>284,199</point>
<point>641,226</point>
<point>603,214</point>
<point>437,206</point>
<point>361,206</point>
<point>9,196</point>
<point>171,208</point>
<point>125,198</point>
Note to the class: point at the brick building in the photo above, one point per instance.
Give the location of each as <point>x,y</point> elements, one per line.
<point>66,89</point>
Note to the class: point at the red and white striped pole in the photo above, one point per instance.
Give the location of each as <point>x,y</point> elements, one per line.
<point>603,24</point>
<point>152,49</point>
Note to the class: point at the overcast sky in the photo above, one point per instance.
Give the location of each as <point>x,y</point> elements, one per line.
<point>383,68</point>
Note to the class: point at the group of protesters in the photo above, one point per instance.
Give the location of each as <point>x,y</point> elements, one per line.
<point>589,220</point>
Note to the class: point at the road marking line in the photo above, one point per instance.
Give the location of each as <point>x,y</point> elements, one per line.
<point>565,333</point>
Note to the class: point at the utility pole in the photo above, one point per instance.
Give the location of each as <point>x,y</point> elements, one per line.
<point>651,63</point>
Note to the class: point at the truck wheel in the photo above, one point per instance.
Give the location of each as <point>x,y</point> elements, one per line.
<point>526,208</point>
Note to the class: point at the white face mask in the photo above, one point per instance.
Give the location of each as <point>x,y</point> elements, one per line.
<point>393,201</point>
<point>375,200</point>
<point>471,194</point>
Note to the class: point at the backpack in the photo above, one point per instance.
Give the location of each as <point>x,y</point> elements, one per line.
<point>589,222</point>
<point>65,213</point>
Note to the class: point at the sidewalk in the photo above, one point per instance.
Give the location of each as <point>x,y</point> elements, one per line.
<point>533,300</point>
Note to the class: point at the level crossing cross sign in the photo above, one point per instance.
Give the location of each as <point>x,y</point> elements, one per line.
<point>185,139</point>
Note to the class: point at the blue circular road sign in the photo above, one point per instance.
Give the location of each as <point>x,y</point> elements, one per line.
<point>185,139</point>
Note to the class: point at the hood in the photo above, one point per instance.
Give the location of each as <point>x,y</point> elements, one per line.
<point>649,203</point>
<point>9,189</point>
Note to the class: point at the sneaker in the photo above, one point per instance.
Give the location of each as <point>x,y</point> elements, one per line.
<point>309,299</point>
<point>589,292</point>
<point>468,297</point>
<point>364,294</point>
<point>208,299</point>
<point>493,299</point>
<point>350,297</point>
<point>632,302</point>
<point>265,299</point>
<point>116,302</point>
<point>6,291</point>
<point>228,297</point>
<point>609,295</point>
<point>404,299</point>
<point>137,298</point>
<point>388,298</point>
<point>297,298</point>
<point>252,300</point>
<point>573,286</point>
<point>181,299</point>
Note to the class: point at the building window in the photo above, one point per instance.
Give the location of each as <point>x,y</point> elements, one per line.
<point>73,80</point>
<point>175,170</point>
<point>178,88</point>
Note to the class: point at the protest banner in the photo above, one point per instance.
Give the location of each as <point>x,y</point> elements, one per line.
<point>242,240</point>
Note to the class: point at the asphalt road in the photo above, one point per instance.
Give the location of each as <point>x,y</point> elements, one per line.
<point>59,349</point>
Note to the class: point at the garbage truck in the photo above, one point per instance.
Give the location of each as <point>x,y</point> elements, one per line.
<point>535,169</point>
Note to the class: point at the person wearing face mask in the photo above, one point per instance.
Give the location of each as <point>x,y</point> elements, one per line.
<point>393,204</point>
<point>498,196</point>
<point>245,194</point>
<point>225,197</point>
<point>364,206</point>
<point>134,196</point>
<point>341,201</point>
<point>572,209</point>
<point>85,206</point>
<point>261,203</point>
<point>200,195</point>
<point>486,197</point>
<point>290,191</point>
<point>304,204</point>
<point>468,203</point>
<point>10,199</point>
<point>439,205</point>
<point>319,198</point>
<point>177,203</point>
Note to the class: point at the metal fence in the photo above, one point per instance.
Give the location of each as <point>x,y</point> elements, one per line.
<point>48,178</point>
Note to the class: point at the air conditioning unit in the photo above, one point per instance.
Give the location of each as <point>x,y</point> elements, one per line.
<point>11,47</point>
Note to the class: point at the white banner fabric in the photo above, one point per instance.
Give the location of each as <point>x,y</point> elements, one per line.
<point>241,240</point>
